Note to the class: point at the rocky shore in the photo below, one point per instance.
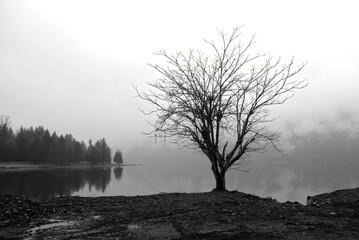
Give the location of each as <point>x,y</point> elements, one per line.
<point>213,215</point>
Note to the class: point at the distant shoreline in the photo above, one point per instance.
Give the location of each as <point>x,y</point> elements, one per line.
<point>30,165</point>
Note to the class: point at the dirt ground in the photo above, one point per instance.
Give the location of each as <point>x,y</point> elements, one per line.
<point>213,215</point>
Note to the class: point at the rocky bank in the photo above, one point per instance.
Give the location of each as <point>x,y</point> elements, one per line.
<point>213,215</point>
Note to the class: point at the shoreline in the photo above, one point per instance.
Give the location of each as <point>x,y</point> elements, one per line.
<point>210,215</point>
<point>29,165</point>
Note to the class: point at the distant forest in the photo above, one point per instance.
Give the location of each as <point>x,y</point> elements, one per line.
<point>38,145</point>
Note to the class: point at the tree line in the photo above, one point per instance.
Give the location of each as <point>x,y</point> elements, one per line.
<point>39,145</point>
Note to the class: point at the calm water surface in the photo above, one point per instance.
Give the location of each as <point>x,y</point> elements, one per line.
<point>171,170</point>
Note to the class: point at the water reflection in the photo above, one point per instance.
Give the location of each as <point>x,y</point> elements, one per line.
<point>118,172</point>
<point>318,163</point>
<point>54,182</point>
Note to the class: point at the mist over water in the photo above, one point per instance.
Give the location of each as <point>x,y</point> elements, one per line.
<point>319,162</point>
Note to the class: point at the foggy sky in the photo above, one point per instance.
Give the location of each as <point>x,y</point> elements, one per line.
<point>69,65</point>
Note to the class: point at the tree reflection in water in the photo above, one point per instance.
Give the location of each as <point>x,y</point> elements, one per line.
<point>42,183</point>
<point>118,172</point>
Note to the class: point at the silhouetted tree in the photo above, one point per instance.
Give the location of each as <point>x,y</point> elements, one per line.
<point>8,149</point>
<point>46,140</point>
<point>22,142</point>
<point>53,155</point>
<point>83,151</point>
<point>92,156</point>
<point>105,151</point>
<point>35,147</point>
<point>78,153</point>
<point>4,131</point>
<point>62,149</point>
<point>118,157</point>
<point>220,103</point>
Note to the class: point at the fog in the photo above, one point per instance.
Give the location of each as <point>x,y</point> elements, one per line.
<point>70,66</point>
<point>321,160</point>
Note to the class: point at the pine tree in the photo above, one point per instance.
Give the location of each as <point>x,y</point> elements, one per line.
<point>118,157</point>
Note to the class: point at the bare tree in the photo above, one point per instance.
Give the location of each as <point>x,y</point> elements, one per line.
<point>220,103</point>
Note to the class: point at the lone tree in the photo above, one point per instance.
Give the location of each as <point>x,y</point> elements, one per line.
<point>118,157</point>
<point>220,103</point>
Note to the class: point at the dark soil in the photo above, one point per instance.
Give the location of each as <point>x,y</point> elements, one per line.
<point>215,215</point>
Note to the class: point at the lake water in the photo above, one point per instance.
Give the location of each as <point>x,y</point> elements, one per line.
<point>172,170</point>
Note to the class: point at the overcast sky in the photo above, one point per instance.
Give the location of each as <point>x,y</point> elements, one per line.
<point>69,65</point>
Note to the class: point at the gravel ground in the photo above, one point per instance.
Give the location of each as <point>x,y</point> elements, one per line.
<point>213,215</point>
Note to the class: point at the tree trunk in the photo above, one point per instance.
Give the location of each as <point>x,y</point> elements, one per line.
<point>220,179</point>
<point>220,183</point>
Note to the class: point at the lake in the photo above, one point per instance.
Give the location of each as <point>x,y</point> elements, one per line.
<point>173,170</point>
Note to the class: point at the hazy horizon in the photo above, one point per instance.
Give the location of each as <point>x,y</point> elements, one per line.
<point>70,65</point>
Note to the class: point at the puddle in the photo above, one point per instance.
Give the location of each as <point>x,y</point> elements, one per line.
<point>148,231</point>
<point>133,226</point>
<point>54,223</point>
